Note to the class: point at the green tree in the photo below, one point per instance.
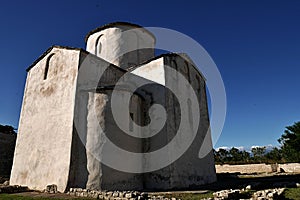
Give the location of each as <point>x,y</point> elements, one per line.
<point>258,153</point>
<point>245,156</point>
<point>224,154</point>
<point>7,129</point>
<point>216,156</point>
<point>239,157</point>
<point>221,156</point>
<point>235,154</point>
<point>290,141</point>
<point>274,156</point>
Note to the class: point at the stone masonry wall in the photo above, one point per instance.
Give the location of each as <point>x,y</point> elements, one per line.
<point>259,168</point>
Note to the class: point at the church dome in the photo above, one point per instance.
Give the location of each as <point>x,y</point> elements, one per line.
<point>123,44</point>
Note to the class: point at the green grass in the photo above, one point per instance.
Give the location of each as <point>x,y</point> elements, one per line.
<point>292,193</point>
<point>183,196</point>
<point>19,197</point>
<point>289,193</point>
<point>186,196</point>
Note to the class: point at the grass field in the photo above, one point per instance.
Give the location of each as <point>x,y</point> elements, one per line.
<point>20,197</point>
<point>185,196</point>
<point>290,193</point>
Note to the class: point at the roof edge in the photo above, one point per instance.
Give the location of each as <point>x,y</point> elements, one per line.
<point>48,51</point>
<point>170,54</point>
<point>115,24</point>
<point>69,48</point>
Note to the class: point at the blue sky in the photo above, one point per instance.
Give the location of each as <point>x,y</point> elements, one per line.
<point>255,44</point>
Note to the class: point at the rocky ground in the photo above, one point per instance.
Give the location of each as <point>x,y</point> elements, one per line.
<point>229,186</point>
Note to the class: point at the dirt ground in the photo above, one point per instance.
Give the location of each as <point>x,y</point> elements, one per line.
<point>257,181</point>
<point>225,181</point>
<point>46,195</point>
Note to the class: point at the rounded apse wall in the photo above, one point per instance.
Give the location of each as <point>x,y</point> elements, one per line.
<point>111,41</point>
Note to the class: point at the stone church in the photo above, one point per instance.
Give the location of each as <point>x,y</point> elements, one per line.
<point>68,124</point>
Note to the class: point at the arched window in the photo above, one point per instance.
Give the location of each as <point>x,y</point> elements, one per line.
<point>137,47</point>
<point>174,64</point>
<point>133,55</point>
<point>47,65</point>
<point>198,84</point>
<point>189,104</point>
<point>187,70</point>
<point>98,45</point>
<point>131,119</point>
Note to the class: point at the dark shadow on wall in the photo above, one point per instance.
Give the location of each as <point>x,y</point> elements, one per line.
<point>78,174</point>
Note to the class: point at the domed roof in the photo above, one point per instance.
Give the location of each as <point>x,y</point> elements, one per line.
<point>117,24</point>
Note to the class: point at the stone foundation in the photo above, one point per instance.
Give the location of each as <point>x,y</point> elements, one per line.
<point>259,168</point>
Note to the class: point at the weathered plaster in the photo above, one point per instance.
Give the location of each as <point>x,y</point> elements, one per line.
<point>43,147</point>
<point>153,71</point>
<point>57,129</point>
<point>122,46</point>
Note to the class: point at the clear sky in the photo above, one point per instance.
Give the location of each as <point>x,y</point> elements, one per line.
<point>255,44</point>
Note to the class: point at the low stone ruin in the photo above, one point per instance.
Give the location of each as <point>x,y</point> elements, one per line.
<point>268,194</point>
<point>115,195</point>
<point>6,188</point>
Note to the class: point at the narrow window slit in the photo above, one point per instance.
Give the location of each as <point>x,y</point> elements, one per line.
<point>98,46</point>
<point>131,122</point>
<point>47,66</point>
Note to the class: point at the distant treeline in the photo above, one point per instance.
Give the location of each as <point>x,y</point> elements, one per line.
<point>257,155</point>
<point>288,152</point>
<point>7,129</point>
